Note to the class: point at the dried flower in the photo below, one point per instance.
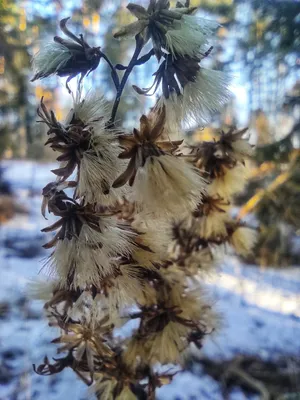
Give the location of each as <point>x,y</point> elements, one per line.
<point>223,162</point>
<point>231,182</point>
<point>189,92</point>
<point>188,250</point>
<point>86,144</point>
<point>66,57</point>
<point>85,243</point>
<point>243,240</point>
<point>233,145</point>
<point>211,217</point>
<point>165,326</point>
<point>161,182</point>
<point>88,339</point>
<point>153,241</point>
<point>155,22</point>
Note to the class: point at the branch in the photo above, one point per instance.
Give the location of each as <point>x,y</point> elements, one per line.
<point>114,74</point>
<point>139,45</point>
<point>141,61</point>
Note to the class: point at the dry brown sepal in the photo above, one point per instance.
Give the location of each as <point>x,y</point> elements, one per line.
<point>162,184</point>
<point>223,162</point>
<point>87,243</point>
<point>141,145</point>
<point>86,147</point>
<point>167,327</point>
<point>66,57</point>
<point>190,252</point>
<point>154,22</point>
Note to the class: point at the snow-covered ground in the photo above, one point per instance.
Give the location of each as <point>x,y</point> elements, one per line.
<point>260,308</point>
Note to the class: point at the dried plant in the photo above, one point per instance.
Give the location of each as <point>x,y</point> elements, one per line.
<point>144,217</point>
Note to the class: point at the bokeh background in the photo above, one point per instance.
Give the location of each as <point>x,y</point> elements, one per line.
<point>256,354</point>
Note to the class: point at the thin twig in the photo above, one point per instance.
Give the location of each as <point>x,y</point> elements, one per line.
<point>114,74</point>
<point>139,45</point>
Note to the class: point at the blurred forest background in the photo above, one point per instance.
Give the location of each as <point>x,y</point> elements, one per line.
<point>258,42</point>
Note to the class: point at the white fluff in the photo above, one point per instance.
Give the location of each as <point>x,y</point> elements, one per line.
<point>213,225</point>
<point>91,255</point>
<point>199,99</point>
<point>168,185</point>
<point>232,183</point>
<point>92,109</point>
<point>243,240</point>
<point>242,149</point>
<point>166,346</point>
<point>41,288</point>
<point>127,289</point>
<point>98,170</point>
<point>89,265</point>
<point>191,36</point>
<point>157,237</point>
<point>50,58</point>
<point>100,166</point>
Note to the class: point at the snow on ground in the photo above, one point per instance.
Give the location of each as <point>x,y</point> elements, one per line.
<point>260,309</point>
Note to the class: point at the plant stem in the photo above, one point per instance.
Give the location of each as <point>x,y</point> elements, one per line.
<point>139,45</point>
<point>114,74</point>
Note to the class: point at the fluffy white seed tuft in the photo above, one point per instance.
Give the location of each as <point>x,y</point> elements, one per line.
<point>90,257</point>
<point>168,185</point>
<point>100,165</point>
<point>231,183</point>
<point>192,35</point>
<point>41,289</point>
<point>243,240</point>
<point>50,58</point>
<point>156,237</point>
<point>213,225</point>
<point>92,109</point>
<point>199,100</point>
<point>99,168</point>
<point>242,149</point>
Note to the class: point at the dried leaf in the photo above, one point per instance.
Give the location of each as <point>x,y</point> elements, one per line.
<point>138,11</point>
<point>131,30</point>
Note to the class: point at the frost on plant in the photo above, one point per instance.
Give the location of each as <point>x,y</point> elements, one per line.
<point>139,219</point>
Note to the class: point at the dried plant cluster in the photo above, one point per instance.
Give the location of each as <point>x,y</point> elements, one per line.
<point>138,218</point>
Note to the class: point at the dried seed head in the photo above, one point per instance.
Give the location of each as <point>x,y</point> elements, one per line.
<point>66,57</point>
<point>243,240</point>
<point>155,22</point>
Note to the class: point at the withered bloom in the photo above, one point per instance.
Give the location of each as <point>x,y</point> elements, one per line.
<point>72,217</point>
<point>243,239</point>
<point>162,182</point>
<point>173,29</point>
<point>85,144</point>
<point>70,140</point>
<point>189,92</point>
<point>189,251</point>
<point>165,327</point>
<point>235,145</point>
<point>86,339</point>
<point>223,162</point>
<point>223,153</point>
<point>211,217</point>
<point>66,57</point>
<point>141,145</point>
<point>85,243</point>
<point>173,74</point>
